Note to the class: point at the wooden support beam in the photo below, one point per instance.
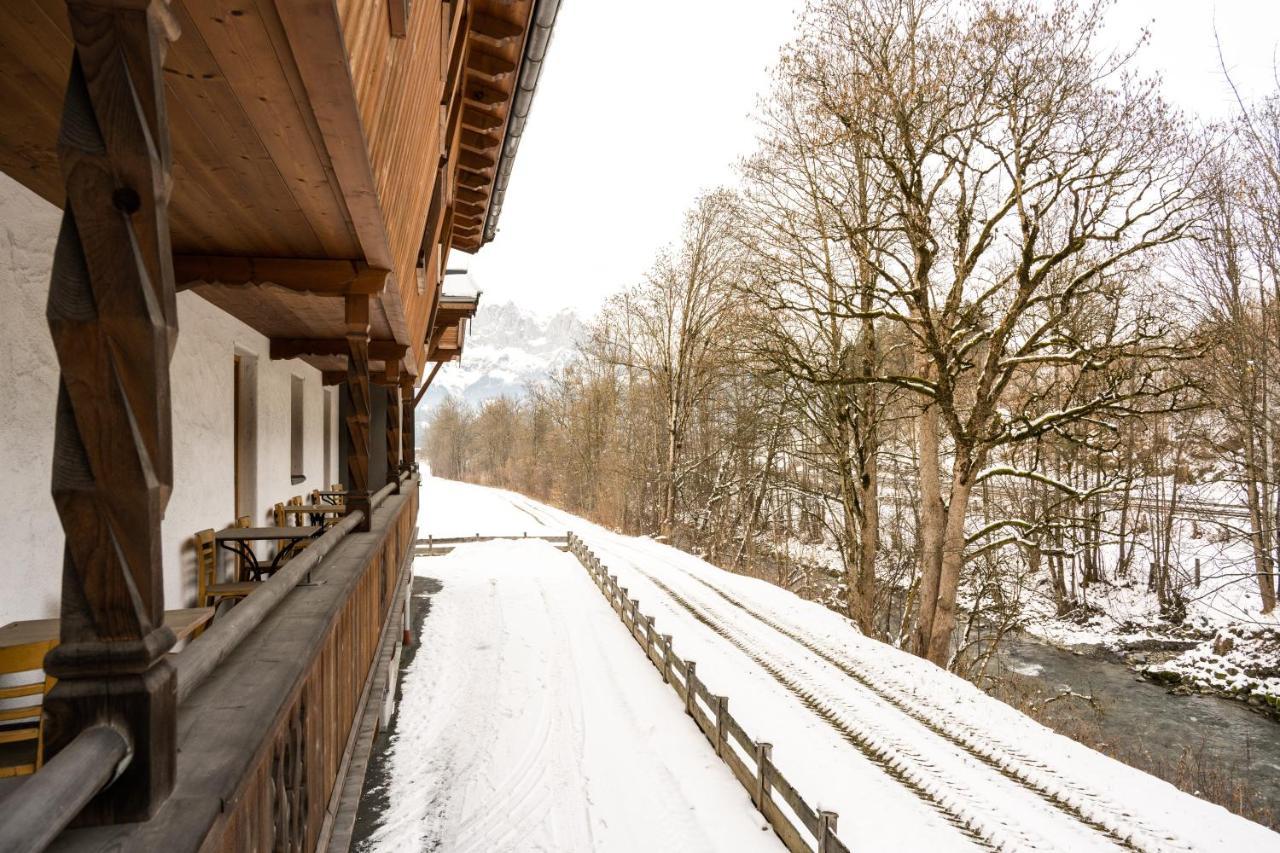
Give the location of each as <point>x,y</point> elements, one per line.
<point>469,211</point>
<point>481,143</point>
<point>357,318</point>
<point>113,318</point>
<point>494,30</point>
<point>393,422</point>
<point>466,194</point>
<point>320,277</point>
<point>285,348</point>
<point>427,384</point>
<point>408,426</point>
<point>489,65</point>
<point>473,180</point>
<point>478,92</point>
<point>479,120</point>
<point>398,18</point>
<point>476,162</point>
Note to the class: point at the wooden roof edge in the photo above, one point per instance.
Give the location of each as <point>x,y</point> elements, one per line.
<point>537,39</point>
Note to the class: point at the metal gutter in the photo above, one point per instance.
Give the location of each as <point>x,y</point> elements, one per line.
<point>542,22</point>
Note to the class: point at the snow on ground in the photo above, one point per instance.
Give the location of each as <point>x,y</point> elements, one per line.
<point>528,684</point>
<point>530,722</point>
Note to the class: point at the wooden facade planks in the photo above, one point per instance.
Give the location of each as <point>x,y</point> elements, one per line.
<point>398,86</point>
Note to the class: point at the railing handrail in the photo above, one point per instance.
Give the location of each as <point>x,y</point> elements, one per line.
<point>194,663</point>
<point>45,803</point>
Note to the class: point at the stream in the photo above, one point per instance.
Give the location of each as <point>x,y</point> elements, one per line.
<point>1230,736</point>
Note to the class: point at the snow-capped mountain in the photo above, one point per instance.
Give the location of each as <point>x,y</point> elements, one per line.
<point>508,349</point>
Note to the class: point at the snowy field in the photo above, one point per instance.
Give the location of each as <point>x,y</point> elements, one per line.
<point>532,721</point>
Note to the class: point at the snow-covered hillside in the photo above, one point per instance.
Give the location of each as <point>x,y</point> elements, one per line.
<point>508,348</point>
<point>531,715</point>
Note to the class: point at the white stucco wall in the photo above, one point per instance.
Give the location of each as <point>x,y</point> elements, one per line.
<point>202,378</point>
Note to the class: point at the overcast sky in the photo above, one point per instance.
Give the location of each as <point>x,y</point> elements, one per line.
<point>642,106</point>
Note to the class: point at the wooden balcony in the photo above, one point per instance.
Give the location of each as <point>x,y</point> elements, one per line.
<point>268,719</point>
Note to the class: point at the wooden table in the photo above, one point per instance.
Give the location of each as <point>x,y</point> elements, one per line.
<point>315,512</point>
<point>183,622</point>
<point>239,541</point>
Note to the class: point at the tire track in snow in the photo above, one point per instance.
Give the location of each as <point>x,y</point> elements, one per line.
<point>1069,797</point>
<point>900,762</point>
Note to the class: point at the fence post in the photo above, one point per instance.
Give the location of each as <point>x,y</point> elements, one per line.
<point>690,679</point>
<point>722,707</point>
<point>666,658</point>
<point>826,828</point>
<point>764,755</point>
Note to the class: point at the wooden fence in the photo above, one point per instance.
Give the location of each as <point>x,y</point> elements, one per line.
<point>802,828</point>
<point>439,546</point>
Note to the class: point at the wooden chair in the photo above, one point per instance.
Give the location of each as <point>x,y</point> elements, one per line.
<point>210,592</point>
<point>21,722</point>
<point>241,563</point>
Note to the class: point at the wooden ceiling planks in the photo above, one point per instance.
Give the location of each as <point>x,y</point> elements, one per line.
<point>31,90</point>
<point>299,133</point>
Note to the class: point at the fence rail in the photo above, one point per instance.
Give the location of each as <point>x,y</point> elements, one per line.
<point>802,828</point>
<point>438,547</point>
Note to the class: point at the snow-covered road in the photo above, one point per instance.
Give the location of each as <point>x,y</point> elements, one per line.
<point>529,722</point>
<point>534,702</point>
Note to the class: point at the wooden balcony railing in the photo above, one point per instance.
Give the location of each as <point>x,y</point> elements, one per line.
<point>269,700</point>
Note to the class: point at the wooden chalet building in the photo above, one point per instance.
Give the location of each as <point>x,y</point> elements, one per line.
<point>227,226</point>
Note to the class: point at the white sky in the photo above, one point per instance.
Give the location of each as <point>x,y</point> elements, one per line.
<point>642,105</point>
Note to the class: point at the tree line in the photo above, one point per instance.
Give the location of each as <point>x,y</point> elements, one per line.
<point>980,308</point>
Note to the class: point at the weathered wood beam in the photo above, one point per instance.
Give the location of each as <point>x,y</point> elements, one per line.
<point>469,195</point>
<point>481,143</point>
<point>319,277</point>
<point>398,18</point>
<point>469,211</point>
<point>479,120</point>
<point>417,398</point>
<point>494,30</point>
<point>490,65</point>
<point>483,94</point>
<point>393,422</point>
<point>474,180</point>
<point>286,348</point>
<point>113,318</point>
<point>408,444</point>
<point>357,318</point>
<point>476,162</point>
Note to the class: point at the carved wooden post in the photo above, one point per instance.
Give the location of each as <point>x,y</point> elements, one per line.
<point>358,417</point>
<point>392,392</point>
<point>408,447</point>
<point>112,314</point>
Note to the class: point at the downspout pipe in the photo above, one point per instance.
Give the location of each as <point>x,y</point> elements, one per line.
<point>535,51</point>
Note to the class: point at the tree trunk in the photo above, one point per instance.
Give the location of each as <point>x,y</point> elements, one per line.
<point>933,519</point>
<point>952,564</point>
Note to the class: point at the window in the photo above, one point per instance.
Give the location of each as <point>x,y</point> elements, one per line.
<point>296,428</point>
